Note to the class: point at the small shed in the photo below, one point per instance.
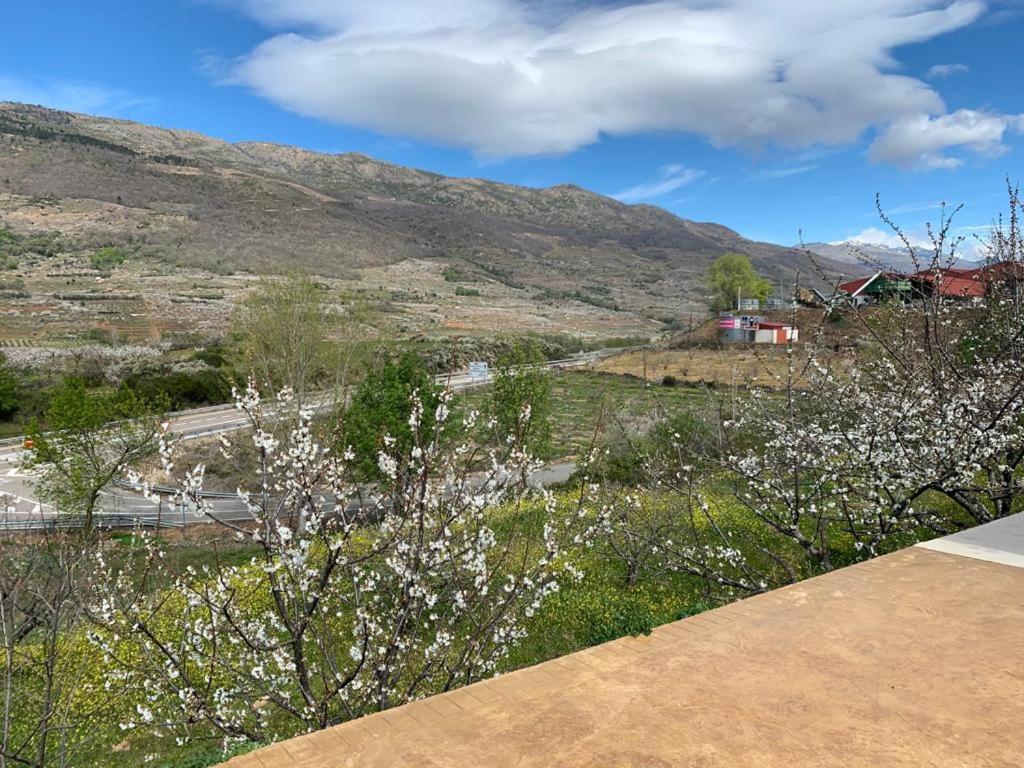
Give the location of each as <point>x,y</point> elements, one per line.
<point>776,333</point>
<point>738,335</point>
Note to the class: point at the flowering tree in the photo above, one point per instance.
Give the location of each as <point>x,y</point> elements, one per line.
<point>91,361</point>
<point>920,430</point>
<point>358,599</point>
<point>43,673</point>
<point>90,439</point>
<point>936,411</point>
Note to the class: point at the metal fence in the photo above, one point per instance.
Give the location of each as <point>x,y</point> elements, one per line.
<point>104,522</point>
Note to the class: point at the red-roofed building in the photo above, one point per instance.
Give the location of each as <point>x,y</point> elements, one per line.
<point>952,283</point>
<point>1004,271</point>
<point>853,288</point>
<point>876,287</point>
<point>753,329</point>
<point>961,284</point>
<point>971,284</point>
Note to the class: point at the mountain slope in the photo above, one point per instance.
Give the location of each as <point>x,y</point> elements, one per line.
<point>862,257</point>
<point>194,200</point>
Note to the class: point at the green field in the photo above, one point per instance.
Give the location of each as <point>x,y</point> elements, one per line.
<point>586,405</point>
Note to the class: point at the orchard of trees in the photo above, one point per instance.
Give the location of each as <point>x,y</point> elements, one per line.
<point>397,545</point>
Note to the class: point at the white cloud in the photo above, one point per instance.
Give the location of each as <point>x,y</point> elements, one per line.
<point>782,173</point>
<point>945,70</point>
<point>71,96</point>
<point>921,141</point>
<point>509,77</point>
<point>670,178</point>
<point>900,210</point>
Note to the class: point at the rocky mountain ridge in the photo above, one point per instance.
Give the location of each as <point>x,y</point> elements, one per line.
<point>195,200</point>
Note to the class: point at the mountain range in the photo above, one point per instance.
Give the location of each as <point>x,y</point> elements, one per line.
<point>196,201</point>
<point>861,256</point>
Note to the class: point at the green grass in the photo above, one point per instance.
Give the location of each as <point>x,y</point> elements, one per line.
<point>597,609</point>
<point>585,404</point>
<point>602,608</point>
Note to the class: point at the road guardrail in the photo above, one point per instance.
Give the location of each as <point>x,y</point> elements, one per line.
<point>101,522</point>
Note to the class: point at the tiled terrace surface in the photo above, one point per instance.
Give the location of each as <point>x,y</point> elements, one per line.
<point>912,659</point>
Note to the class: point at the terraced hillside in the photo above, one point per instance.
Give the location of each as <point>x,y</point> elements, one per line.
<point>199,203</point>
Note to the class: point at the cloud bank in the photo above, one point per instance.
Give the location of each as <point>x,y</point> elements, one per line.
<point>921,142</point>
<point>670,178</point>
<point>508,78</point>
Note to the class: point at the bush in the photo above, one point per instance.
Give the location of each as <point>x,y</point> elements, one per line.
<point>682,436</point>
<point>183,389</point>
<point>668,380</point>
<point>9,397</point>
<point>215,355</point>
<point>105,259</point>
<point>457,275</point>
<point>460,291</point>
<point>13,247</point>
<point>381,407</point>
<point>522,386</point>
<point>625,617</point>
<point>100,335</point>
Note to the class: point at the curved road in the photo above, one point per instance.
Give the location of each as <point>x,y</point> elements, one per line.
<point>121,506</point>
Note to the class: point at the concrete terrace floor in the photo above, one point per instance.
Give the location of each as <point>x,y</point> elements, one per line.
<point>912,659</point>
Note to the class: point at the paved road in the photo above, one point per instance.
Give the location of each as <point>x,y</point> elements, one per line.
<point>18,505</point>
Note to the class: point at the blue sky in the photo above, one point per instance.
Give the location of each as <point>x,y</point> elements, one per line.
<point>768,116</point>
